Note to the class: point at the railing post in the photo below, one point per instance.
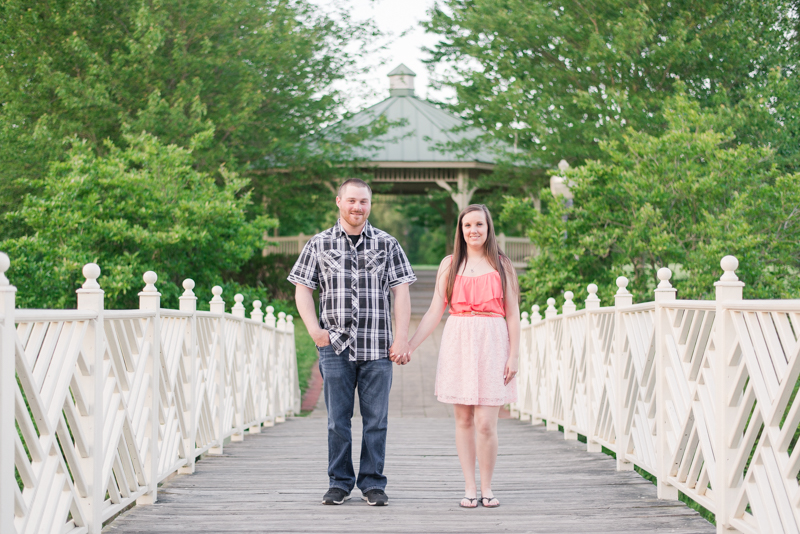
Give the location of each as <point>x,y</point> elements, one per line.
<point>523,374</point>
<point>592,303</point>
<point>217,306</point>
<point>533,350</point>
<point>7,387</point>
<point>550,313</point>
<point>502,243</point>
<point>271,362</point>
<point>238,396</point>
<point>728,289</point>
<point>664,293</point>
<point>296,399</point>
<point>258,315</point>
<point>188,304</point>
<point>566,380</point>
<point>90,298</point>
<point>282,388</point>
<point>150,299</point>
<point>622,298</point>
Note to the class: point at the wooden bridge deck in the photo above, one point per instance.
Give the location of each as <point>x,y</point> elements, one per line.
<point>274,481</point>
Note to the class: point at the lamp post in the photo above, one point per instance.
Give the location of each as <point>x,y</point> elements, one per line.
<point>559,185</point>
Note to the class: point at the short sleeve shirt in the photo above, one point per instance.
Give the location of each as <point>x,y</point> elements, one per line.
<point>354,282</point>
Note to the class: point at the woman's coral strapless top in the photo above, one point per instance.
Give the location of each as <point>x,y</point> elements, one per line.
<point>480,294</point>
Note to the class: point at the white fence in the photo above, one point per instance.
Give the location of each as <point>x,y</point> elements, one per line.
<point>107,403</point>
<point>518,249</point>
<point>700,394</point>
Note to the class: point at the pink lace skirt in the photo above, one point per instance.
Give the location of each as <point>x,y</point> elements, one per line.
<point>471,362</point>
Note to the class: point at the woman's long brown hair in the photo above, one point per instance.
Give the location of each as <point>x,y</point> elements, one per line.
<point>496,257</point>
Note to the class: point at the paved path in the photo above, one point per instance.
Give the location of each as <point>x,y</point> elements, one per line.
<point>274,481</point>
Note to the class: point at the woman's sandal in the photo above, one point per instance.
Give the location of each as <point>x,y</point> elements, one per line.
<point>471,501</point>
<point>486,502</point>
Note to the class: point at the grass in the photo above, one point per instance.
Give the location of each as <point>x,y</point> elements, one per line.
<point>306,354</point>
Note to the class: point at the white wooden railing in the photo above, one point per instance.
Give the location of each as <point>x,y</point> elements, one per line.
<point>285,244</point>
<point>701,394</point>
<point>110,403</point>
<point>518,249</point>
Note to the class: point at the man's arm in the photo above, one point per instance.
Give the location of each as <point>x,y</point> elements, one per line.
<point>304,298</point>
<point>402,316</point>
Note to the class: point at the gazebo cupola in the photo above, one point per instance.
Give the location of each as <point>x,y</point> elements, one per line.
<point>401,81</point>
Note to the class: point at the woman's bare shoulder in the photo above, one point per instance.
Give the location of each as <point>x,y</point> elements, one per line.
<point>444,268</point>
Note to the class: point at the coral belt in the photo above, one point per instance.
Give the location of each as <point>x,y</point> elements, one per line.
<point>476,314</point>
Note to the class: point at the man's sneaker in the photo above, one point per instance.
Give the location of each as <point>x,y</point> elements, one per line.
<point>375,497</point>
<point>335,496</point>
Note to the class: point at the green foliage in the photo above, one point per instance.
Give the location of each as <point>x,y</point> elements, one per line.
<point>261,73</point>
<point>131,210</point>
<point>684,200</point>
<point>555,79</point>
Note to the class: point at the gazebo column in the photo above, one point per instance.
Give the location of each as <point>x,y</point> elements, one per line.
<point>462,195</point>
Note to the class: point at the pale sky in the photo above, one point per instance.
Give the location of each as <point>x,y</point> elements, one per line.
<point>399,21</point>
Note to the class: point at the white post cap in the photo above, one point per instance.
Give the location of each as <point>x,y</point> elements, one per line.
<point>91,271</point>
<point>5,263</point>
<point>188,286</point>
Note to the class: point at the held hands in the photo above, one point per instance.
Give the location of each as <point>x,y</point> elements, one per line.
<point>512,365</point>
<point>321,337</point>
<point>400,352</point>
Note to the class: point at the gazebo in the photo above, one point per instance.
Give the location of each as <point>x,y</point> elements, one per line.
<point>410,157</point>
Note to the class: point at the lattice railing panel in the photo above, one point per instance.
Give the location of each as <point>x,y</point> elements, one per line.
<point>106,404</point>
<point>209,373</point>
<point>764,473</point>
<point>602,392</point>
<point>703,395</point>
<point>639,387</point>
<point>689,399</point>
<point>555,371</point>
<point>575,371</point>
<point>51,409</point>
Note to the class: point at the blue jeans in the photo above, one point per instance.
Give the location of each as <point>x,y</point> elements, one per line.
<point>374,380</point>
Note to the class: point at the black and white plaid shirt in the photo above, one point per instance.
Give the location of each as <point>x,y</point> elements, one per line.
<point>354,283</point>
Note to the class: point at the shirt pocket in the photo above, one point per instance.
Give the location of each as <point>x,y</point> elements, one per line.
<point>333,260</point>
<point>375,262</point>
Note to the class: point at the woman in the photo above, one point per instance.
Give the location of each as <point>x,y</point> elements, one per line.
<point>478,357</point>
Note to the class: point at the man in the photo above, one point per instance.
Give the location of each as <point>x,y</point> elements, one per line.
<point>355,265</point>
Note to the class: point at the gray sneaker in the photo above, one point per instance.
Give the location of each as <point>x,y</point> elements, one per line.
<point>335,496</point>
<point>376,497</point>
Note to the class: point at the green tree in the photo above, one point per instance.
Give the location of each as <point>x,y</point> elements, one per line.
<point>261,73</point>
<point>554,79</point>
<point>131,210</point>
<point>684,200</point>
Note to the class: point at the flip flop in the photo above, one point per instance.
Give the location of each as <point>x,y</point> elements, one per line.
<point>471,500</point>
<point>484,501</point>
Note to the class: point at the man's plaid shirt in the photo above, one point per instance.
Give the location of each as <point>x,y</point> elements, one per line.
<point>354,283</point>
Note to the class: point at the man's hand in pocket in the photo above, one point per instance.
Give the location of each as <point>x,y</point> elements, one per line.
<point>321,337</point>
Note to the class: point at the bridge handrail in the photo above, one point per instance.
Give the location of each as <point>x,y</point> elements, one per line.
<point>109,403</point>
<point>700,394</point>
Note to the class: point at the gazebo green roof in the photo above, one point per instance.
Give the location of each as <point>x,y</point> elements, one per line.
<point>425,131</point>
<point>426,128</point>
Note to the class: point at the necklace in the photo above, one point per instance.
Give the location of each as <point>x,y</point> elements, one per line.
<point>472,269</point>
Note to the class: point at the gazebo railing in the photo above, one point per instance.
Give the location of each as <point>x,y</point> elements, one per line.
<point>700,394</point>
<point>97,407</point>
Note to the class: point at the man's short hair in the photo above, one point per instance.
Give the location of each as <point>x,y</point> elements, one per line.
<point>356,182</point>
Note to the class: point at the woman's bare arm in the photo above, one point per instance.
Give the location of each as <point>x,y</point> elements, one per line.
<point>511,301</point>
<point>436,309</point>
